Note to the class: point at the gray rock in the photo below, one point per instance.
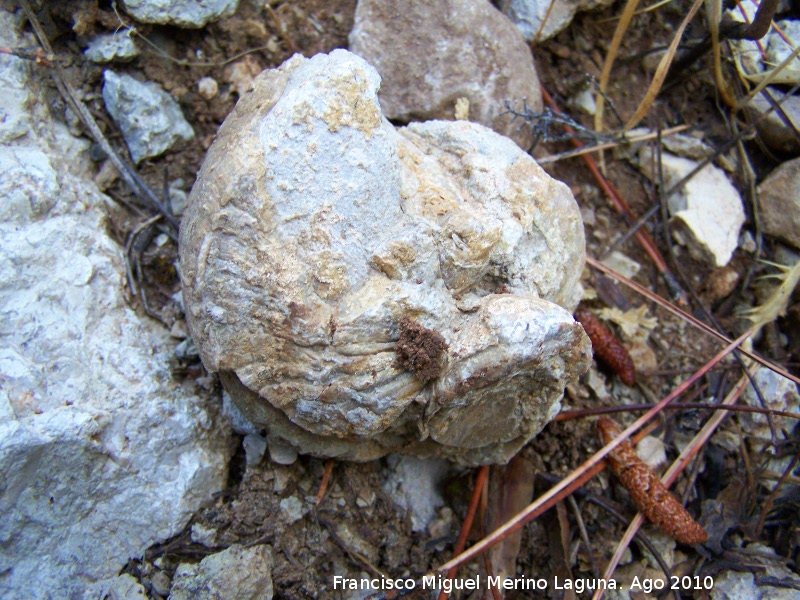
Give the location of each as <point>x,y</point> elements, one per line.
<point>161,583</point>
<point>779,394</point>
<point>293,508</point>
<point>113,46</point>
<point>280,452</point>
<point>241,573</point>
<point>734,585</point>
<point>255,446</point>
<point>450,50</point>
<point>150,120</point>
<point>531,16</point>
<point>206,536</point>
<point>315,227</point>
<point>177,197</point>
<point>415,485</point>
<point>101,453</point>
<point>191,14</point>
<point>779,203</point>
<point>238,422</point>
<point>781,45</point>
<point>774,129</point>
<point>187,350</point>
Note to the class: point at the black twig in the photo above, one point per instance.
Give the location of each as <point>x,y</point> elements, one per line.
<point>540,124</point>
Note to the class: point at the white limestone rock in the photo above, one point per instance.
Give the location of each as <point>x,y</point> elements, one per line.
<point>236,572</point>
<point>781,45</point>
<point>431,55</point>
<point>190,14</point>
<point>315,228</point>
<point>707,212</point>
<point>101,453</point>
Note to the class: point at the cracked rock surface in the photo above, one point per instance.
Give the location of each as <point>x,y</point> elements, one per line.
<point>316,228</point>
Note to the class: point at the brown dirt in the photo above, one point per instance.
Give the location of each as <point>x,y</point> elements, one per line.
<point>357,529</point>
<point>420,350</point>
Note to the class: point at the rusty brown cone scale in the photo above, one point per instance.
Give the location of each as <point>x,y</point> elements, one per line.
<point>648,492</point>
<point>606,346</point>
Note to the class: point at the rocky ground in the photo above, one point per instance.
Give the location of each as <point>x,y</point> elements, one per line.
<point>217,508</point>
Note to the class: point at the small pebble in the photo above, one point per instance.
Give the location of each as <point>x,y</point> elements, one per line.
<point>161,583</point>
<point>365,499</point>
<point>651,450</point>
<point>208,88</point>
<point>281,453</point>
<point>254,448</point>
<point>179,330</point>
<point>178,198</point>
<point>203,535</point>
<point>293,508</point>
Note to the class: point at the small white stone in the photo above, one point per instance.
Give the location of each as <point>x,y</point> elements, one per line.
<point>208,88</point>
<point>542,19</point>
<point>124,587</point>
<point>203,535</point>
<point>622,264</point>
<point>584,101</point>
<point>161,583</point>
<point>177,197</point>
<point>293,508</point>
<point>113,46</point>
<point>779,394</point>
<point>597,382</point>
<point>652,451</point>
<point>191,14</point>
<point>151,121</point>
<point>747,242</point>
<point>282,479</point>
<point>236,572</point>
<point>779,49</point>
<point>365,499</point>
<point>707,211</point>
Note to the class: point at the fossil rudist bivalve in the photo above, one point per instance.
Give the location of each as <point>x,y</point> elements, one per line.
<point>363,289</point>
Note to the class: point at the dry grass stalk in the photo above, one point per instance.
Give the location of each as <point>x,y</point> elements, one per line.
<point>624,22</point>
<point>661,70</point>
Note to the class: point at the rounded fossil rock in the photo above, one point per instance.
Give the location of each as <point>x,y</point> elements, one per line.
<point>363,289</point>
